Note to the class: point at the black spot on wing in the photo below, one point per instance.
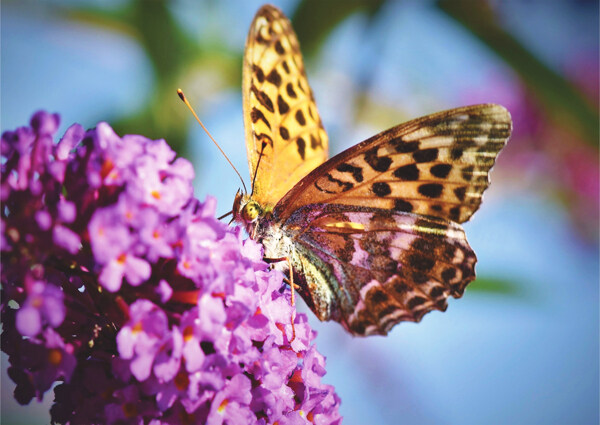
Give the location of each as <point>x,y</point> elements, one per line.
<point>349,168</point>
<point>467,173</point>
<point>257,115</point>
<point>402,205</point>
<point>408,172</point>
<point>401,288</point>
<point>460,193</point>
<point>279,47</point>
<point>431,190</point>
<point>456,153</point>
<point>300,117</point>
<point>449,274</point>
<point>455,213</point>
<point>378,163</point>
<point>284,133</point>
<point>258,72</point>
<point>301,144</point>
<point>441,170</point>
<point>314,143</point>
<point>377,296</point>
<point>419,278</point>
<point>344,186</point>
<point>290,90</point>
<point>381,189</point>
<point>274,78</point>
<point>426,155</point>
<point>420,262</point>
<point>415,302</point>
<point>282,105</point>
<point>436,291</point>
<point>404,147</point>
<point>263,99</point>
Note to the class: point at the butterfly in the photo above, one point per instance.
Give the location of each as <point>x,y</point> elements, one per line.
<point>372,235</point>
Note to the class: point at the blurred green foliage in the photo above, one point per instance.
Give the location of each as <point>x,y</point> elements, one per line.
<point>496,285</point>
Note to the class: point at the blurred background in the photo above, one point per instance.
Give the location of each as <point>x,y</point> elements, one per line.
<point>521,347</point>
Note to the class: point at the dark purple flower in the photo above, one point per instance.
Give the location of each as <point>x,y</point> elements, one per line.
<point>157,237</point>
<point>43,219</point>
<point>59,360</point>
<point>128,409</point>
<point>231,404</point>
<point>44,123</point>
<point>192,338</point>
<point>142,337</point>
<point>43,305</point>
<point>164,291</point>
<point>66,238</point>
<point>120,284</point>
<point>112,242</point>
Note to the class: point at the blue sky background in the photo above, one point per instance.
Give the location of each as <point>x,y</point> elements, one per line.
<point>528,357</point>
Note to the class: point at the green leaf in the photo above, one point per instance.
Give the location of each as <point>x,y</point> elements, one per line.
<point>496,285</point>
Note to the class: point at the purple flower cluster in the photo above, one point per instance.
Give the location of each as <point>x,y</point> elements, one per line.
<point>126,290</point>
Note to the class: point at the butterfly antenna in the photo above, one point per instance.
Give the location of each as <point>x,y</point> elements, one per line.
<point>225,215</point>
<point>257,164</point>
<point>184,99</point>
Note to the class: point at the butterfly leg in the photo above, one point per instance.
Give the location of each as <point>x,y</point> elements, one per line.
<point>291,283</point>
<point>293,318</point>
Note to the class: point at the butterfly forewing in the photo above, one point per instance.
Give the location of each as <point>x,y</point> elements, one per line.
<point>436,165</point>
<point>376,267</point>
<point>280,114</point>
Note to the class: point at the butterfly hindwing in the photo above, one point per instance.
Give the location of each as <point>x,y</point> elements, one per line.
<point>370,269</point>
<point>280,115</point>
<point>436,165</point>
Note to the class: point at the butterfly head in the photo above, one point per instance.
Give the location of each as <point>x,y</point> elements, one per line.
<point>246,210</point>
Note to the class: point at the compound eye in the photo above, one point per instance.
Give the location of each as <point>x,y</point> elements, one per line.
<point>250,212</point>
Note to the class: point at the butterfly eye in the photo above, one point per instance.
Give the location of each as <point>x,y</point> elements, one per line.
<point>251,211</point>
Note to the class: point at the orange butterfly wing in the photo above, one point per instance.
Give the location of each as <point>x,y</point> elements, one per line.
<point>283,127</point>
<point>436,165</point>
